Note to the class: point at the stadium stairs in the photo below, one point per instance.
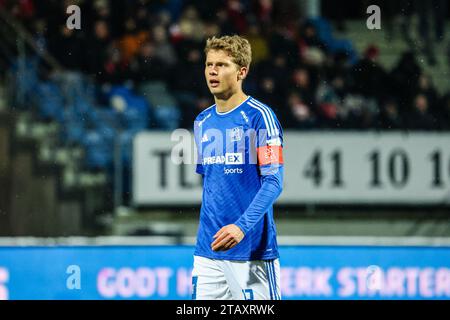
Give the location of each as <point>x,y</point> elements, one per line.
<point>391,49</point>
<point>43,192</point>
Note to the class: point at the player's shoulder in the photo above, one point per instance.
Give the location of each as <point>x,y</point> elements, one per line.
<point>205,114</point>
<point>258,110</point>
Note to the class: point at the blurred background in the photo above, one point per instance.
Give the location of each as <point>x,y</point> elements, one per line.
<point>86,117</point>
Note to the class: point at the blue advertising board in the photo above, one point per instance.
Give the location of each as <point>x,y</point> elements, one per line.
<point>164,272</point>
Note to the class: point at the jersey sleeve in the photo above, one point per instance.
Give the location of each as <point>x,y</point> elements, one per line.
<point>269,142</point>
<point>198,143</point>
<point>271,188</point>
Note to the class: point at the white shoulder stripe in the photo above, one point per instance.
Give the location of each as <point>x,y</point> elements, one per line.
<point>264,117</point>
<point>200,122</point>
<point>209,107</point>
<point>269,116</point>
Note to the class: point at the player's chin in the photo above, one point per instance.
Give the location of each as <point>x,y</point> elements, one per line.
<point>215,90</point>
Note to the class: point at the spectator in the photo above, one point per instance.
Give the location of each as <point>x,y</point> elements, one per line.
<point>282,42</point>
<point>390,118</point>
<point>369,77</point>
<point>272,81</point>
<point>302,84</point>
<point>115,70</point>
<point>420,117</point>
<point>237,16</point>
<point>329,98</point>
<point>264,11</point>
<point>425,86</point>
<point>358,112</point>
<point>288,61</point>
<point>221,18</point>
<point>191,27</point>
<point>404,78</point>
<point>130,43</point>
<point>260,47</point>
<point>163,48</point>
<point>189,90</point>
<point>67,48</point>
<point>312,50</point>
<point>299,114</point>
<point>146,66</point>
<point>97,48</point>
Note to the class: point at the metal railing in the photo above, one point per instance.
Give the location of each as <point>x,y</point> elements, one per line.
<point>16,39</point>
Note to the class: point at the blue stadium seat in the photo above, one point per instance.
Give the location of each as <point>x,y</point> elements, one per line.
<point>73,133</point>
<point>136,115</point>
<point>25,77</point>
<point>120,91</point>
<point>164,105</point>
<point>106,117</point>
<point>49,100</point>
<point>156,93</point>
<point>82,107</point>
<point>167,117</point>
<point>134,111</point>
<point>98,149</point>
<point>325,34</point>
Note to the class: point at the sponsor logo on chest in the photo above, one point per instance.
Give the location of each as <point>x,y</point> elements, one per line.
<point>228,159</point>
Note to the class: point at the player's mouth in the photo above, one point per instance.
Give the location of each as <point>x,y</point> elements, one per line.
<point>213,83</point>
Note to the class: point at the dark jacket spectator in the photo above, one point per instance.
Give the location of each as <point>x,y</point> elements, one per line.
<point>420,117</point>
<point>404,78</point>
<point>390,117</point>
<point>146,66</point>
<point>67,47</point>
<point>96,48</point>
<point>369,77</point>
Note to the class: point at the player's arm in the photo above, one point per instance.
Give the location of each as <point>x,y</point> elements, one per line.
<point>270,161</point>
<point>197,140</point>
<point>272,186</point>
<point>230,235</point>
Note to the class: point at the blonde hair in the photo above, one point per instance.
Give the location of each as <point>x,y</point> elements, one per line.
<point>238,47</point>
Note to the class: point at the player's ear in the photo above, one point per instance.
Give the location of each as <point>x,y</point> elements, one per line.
<point>242,73</point>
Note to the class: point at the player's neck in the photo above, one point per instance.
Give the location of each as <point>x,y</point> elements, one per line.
<point>226,104</point>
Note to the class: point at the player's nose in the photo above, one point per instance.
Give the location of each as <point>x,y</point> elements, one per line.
<point>212,71</point>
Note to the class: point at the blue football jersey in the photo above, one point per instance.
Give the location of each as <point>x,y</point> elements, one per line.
<point>236,150</point>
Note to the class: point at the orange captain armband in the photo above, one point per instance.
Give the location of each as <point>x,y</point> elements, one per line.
<point>270,155</point>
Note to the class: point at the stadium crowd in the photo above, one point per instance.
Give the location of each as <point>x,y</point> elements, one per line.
<point>309,84</point>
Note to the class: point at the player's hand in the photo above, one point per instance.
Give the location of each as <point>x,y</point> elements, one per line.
<point>227,237</point>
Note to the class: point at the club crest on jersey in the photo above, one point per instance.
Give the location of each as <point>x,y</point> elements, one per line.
<point>236,134</point>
